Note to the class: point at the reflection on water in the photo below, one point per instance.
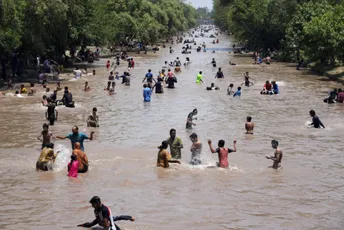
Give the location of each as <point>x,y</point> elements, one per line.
<point>305,194</point>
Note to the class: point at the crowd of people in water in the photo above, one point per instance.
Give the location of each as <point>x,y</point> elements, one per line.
<point>170,150</point>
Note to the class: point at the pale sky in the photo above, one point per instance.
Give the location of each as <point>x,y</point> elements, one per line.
<point>201,3</point>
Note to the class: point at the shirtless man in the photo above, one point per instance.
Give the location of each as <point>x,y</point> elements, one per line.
<point>46,136</point>
<point>222,153</point>
<point>278,155</point>
<point>247,81</point>
<point>82,158</point>
<point>249,125</point>
<point>190,118</point>
<point>87,87</point>
<point>196,150</point>
<point>92,120</point>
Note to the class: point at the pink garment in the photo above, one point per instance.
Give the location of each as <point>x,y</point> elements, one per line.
<point>73,169</point>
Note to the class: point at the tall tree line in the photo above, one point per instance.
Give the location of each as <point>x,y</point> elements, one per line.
<point>49,27</point>
<point>300,29</point>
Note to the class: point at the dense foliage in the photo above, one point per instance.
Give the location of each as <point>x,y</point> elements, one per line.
<point>52,26</point>
<point>300,29</point>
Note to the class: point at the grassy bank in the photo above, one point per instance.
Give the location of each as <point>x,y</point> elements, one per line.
<point>333,73</point>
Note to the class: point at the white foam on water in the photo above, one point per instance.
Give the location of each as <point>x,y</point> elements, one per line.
<point>63,158</point>
<point>281,83</point>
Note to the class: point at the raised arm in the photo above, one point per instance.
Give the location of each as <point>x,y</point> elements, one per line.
<point>61,138</point>
<point>211,147</point>
<point>117,218</point>
<point>234,146</point>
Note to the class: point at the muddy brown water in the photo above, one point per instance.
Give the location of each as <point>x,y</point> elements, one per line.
<point>306,194</point>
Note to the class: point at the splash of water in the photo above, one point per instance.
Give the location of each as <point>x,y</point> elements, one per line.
<point>63,157</point>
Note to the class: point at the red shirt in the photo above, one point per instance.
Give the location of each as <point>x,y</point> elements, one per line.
<point>223,156</point>
<point>132,64</point>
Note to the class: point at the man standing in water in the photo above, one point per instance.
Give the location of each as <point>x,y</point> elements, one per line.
<point>249,125</point>
<point>92,120</point>
<point>164,157</point>
<point>81,157</point>
<point>247,81</point>
<point>104,216</point>
<point>196,150</point>
<point>175,144</point>
<point>315,120</point>
<point>190,118</point>
<point>222,153</point>
<point>51,113</point>
<point>75,136</point>
<point>147,92</point>
<point>278,155</point>
<point>46,136</point>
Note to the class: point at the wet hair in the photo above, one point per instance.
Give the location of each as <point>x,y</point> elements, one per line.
<point>172,130</point>
<point>312,112</point>
<point>221,143</point>
<point>73,157</point>
<point>239,88</point>
<point>219,69</point>
<point>86,82</point>
<point>45,125</point>
<point>193,136</point>
<point>195,110</point>
<point>267,82</point>
<point>111,72</point>
<point>231,85</point>
<point>66,88</point>
<point>249,118</point>
<point>163,145</point>
<point>94,109</point>
<point>274,143</point>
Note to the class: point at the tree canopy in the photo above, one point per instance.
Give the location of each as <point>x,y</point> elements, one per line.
<point>302,29</point>
<point>53,26</point>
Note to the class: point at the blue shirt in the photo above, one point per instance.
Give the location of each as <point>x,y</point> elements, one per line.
<point>147,92</point>
<point>149,75</point>
<point>80,137</point>
<point>237,93</point>
<point>276,90</point>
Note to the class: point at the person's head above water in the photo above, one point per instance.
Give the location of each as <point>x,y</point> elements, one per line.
<point>274,144</point>
<point>219,69</point>
<point>173,133</point>
<point>231,85</point>
<point>86,83</point>
<point>221,143</point>
<point>239,88</point>
<point>212,85</point>
<point>249,118</point>
<point>195,111</point>
<point>45,126</point>
<point>75,130</point>
<point>149,70</point>
<point>73,157</point>
<point>267,82</point>
<point>312,113</point>
<point>339,90</point>
<point>163,145</point>
<point>193,137</point>
<point>44,97</point>
<point>77,145</point>
<point>200,72</point>
<point>94,109</point>
<point>145,85</point>
<point>96,202</point>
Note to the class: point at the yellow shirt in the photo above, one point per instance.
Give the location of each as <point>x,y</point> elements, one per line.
<point>163,157</point>
<point>47,155</point>
<point>23,90</point>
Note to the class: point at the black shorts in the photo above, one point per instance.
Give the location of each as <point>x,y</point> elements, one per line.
<point>42,166</point>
